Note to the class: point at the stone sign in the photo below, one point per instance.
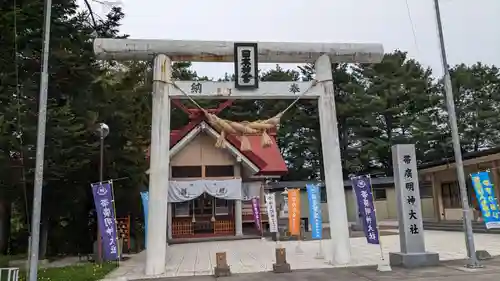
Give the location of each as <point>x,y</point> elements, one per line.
<point>411,232</point>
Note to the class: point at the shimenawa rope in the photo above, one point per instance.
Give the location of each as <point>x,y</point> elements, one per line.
<point>245,128</point>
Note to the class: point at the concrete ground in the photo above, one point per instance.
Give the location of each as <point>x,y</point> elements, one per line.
<point>446,271</point>
<point>251,256</point>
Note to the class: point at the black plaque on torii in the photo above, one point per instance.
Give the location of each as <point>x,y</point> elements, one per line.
<point>246,66</point>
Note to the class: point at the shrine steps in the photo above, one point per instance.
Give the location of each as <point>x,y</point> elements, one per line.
<point>211,239</point>
<point>477,227</point>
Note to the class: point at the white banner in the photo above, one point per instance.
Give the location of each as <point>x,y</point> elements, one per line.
<point>181,191</point>
<point>271,212</point>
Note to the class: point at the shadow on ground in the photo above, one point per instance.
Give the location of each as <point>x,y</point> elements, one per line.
<point>384,231</point>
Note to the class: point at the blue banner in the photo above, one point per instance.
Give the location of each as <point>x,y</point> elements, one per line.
<point>486,198</point>
<point>105,209</point>
<point>316,221</point>
<point>364,197</point>
<point>145,201</point>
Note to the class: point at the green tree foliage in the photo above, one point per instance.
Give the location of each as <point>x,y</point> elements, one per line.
<point>476,90</point>
<point>76,101</point>
<point>399,97</point>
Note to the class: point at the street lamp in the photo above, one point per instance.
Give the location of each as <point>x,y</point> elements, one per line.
<point>472,261</point>
<point>40,145</point>
<point>103,131</point>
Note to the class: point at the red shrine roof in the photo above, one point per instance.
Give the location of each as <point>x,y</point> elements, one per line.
<point>268,160</point>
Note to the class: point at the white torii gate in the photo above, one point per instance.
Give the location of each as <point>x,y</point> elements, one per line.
<point>165,51</point>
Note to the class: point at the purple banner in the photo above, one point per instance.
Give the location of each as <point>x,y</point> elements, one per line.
<point>364,197</point>
<point>256,213</point>
<point>104,206</point>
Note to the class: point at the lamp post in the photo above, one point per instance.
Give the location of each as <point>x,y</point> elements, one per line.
<point>40,146</point>
<point>452,118</point>
<point>103,131</point>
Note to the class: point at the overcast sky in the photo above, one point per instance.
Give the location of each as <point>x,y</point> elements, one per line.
<point>471,28</point>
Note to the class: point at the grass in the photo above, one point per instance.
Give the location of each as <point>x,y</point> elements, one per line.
<point>82,272</point>
<point>85,272</point>
<point>4,260</point>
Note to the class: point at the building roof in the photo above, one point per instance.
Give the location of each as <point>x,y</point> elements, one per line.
<point>347,183</point>
<point>269,160</point>
<point>204,127</point>
<point>465,156</point>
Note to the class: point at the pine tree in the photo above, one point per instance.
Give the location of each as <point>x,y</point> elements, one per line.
<point>477,101</point>
<point>400,105</point>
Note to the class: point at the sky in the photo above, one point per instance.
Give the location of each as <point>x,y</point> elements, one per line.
<point>471,28</point>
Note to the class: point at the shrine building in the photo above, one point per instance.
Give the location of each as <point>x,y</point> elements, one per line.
<point>441,176</point>
<point>211,188</point>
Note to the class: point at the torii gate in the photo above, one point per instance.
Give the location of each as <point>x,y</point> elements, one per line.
<point>247,86</point>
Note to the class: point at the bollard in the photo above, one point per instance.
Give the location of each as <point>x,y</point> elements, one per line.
<point>221,268</point>
<point>9,274</point>
<point>281,266</point>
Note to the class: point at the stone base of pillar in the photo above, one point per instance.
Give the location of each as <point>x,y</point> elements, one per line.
<point>483,255</point>
<point>414,260</point>
<point>221,272</point>
<point>356,227</point>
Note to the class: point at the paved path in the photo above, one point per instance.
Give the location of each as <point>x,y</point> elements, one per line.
<point>446,271</point>
<point>250,256</point>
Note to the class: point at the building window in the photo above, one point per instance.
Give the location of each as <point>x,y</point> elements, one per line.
<point>425,188</point>
<point>379,194</point>
<point>221,207</point>
<point>181,209</point>
<point>218,171</point>
<point>186,172</point>
<point>451,195</point>
<point>322,193</point>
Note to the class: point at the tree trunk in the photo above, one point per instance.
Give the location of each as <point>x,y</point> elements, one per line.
<point>343,142</point>
<point>388,129</point>
<point>4,226</point>
<point>44,234</point>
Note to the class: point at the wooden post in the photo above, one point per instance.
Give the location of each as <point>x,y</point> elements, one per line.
<point>261,228</point>
<point>436,190</point>
<point>221,268</point>
<point>496,179</point>
<point>281,265</point>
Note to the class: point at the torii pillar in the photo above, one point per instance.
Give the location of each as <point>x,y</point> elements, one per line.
<point>164,51</point>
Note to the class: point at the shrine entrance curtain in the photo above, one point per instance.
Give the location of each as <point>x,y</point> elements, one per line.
<point>181,191</point>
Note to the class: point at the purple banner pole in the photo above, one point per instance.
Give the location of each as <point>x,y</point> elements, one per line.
<point>104,205</point>
<point>364,197</point>
<point>256,213</point>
